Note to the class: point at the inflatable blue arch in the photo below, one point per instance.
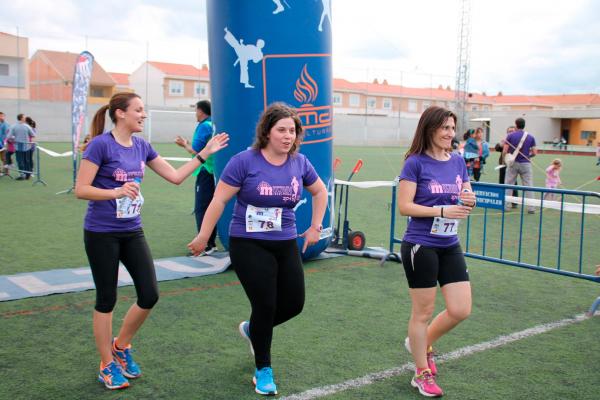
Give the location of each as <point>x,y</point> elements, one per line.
<point>265,51</point>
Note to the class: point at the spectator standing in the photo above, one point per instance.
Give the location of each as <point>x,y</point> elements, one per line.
<point>205,179</point>
<point>4,127</point>
<point>22,135</point>
<point>522,165</point>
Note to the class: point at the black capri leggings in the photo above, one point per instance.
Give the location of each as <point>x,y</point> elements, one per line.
<point>271,274</point>
<point>105,250</point>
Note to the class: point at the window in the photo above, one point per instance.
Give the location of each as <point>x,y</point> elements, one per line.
<point>426,105</point>
<point>588,135</point>
<point>337,99</point>
<point>200,89</point>
<point>176,88</point>
<point>354,100</point>
<point>486,108</point>
<point>371,102</point>
<point>387,104</point>
<point>412,105</point>
<point>474,108</point>
<point>3,69</point>
<point>96,92</point>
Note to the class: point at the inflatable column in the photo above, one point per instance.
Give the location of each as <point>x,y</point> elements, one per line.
<point>263,51</point>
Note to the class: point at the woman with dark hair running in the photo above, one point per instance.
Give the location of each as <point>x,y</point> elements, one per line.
<point>434,190</point>
<point>112,169</point>
<point>267,181</point>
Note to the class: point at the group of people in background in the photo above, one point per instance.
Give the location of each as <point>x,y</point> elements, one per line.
<point>18,140</point>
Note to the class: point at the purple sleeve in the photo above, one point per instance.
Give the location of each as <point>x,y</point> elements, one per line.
<point>234,172</point>
<point>151,154</point>
<point>411,170</point>
<point>94,152</point>
<point>532,141</point>
<point>309,175</point>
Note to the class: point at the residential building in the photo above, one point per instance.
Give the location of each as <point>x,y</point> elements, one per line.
<point>14,83</point>
<point>121,81</point>
<point>51,78</point>
<point>173,85</point>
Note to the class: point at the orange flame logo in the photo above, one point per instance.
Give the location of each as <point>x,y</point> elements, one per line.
<point>306,88</point>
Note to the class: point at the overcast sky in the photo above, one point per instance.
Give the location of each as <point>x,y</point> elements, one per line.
<point>517,46</point>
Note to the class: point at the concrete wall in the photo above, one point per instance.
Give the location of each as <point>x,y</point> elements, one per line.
<point>53,119</point>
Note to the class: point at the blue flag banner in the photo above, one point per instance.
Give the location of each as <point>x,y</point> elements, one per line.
<point>81,86</point>
<point>489,197</point>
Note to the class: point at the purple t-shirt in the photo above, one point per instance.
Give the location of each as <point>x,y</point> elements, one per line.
<point>438,183</point>
<point>265,185</point>
<point>117,165</point>
<point>514,138</point>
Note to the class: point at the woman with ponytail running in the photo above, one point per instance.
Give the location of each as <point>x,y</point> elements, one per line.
<point>112,168</point>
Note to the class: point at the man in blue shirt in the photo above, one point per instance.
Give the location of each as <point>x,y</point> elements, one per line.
<point>205,179</point>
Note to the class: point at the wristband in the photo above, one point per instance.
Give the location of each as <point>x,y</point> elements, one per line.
<point>441,212</point>
<point>199,157</point>
<point>317,228</point>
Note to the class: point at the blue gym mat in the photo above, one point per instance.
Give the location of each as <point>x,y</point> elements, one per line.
<point>42,283</point>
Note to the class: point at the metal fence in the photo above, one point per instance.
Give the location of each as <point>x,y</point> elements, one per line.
<point>558,237</point>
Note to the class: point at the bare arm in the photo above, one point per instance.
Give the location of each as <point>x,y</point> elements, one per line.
<point>183,142</point>
<point>84,189</point>
<point>176,176</point>
<point>223,193</point>
<point>319,205</point>
<point>407,206</point>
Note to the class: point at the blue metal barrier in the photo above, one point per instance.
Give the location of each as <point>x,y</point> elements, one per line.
<point>491,196</point>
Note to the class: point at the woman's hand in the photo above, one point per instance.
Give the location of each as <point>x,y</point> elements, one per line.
<point>197,245</point>
<point>468,198</point>
<point>129,189</point>
<point>217,143</point>
<point>457,212</point>
<point>311,236</point>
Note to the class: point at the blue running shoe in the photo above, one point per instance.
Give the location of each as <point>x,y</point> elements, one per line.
<point>263,382</point>
<point>112,377</point>
<point>124,358</point>
<point>244,329</point>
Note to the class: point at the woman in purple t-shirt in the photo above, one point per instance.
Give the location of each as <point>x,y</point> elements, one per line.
<point>112,168</point>
<point>434,191</point>
<point>268,181</point>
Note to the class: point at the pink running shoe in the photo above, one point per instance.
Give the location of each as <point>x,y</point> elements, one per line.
<point>430,357</point>
<point>425,382</point>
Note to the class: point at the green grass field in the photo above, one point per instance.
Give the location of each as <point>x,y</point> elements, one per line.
<point>353,323</point>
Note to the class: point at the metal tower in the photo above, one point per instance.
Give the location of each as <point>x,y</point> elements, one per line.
<point>463,60</point>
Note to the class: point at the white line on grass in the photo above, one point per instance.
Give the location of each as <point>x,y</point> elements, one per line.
<point>462,352</point>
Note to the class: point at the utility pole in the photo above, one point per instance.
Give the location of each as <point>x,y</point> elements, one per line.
<point>463,61</point>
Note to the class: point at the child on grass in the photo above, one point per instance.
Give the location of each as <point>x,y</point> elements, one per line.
<point>553,177</point>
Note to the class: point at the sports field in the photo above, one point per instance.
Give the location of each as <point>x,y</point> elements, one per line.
<point>352,326</point>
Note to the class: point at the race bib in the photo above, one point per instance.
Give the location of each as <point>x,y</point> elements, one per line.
<point>444,226</point>
<point>127,208</point>
<point>263,219</point>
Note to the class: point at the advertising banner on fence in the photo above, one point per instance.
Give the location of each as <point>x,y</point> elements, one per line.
<point>489,197</point>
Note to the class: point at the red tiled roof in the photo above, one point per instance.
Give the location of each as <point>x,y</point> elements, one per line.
<point>121,78</point>
<point>180,69</point>
<point>385,88</point>
<point>64,64</point>
<point>447,94</point>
